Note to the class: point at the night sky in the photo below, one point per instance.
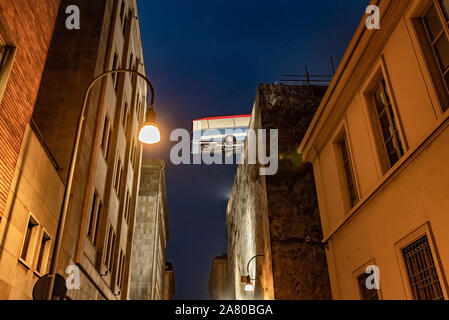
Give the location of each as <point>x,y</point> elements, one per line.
<point>206,58</point>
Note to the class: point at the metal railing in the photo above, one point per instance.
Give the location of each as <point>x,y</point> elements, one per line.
<point>306,79</point>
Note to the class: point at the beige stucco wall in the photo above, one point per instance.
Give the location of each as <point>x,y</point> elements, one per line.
<point>396,202</point>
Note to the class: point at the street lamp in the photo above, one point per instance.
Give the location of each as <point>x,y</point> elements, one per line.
<point>149,133</point>
<point>249,287</point>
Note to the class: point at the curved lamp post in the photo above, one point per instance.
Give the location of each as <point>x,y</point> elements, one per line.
<point>249,287</point>
<point>149,134</point>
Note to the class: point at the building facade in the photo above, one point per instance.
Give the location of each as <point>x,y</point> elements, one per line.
<point>98,235</point>
<point>25,34</point>
<point>169,281</point>
<point>218,286</point>
<point>151,234</point>
<point>379,149</point>
<point>271,216</point>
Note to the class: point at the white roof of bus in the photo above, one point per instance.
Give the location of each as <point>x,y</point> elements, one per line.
<point>222,122</point>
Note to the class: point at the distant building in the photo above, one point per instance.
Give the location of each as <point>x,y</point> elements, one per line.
<point>274,215</point>
<point>379,148</point>
<point>151,234</point>
<point>25,35</point>
<point>218,286</point>
<point>169,283</point>
<point>100,218</point>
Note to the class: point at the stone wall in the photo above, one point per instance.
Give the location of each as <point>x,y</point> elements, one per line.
<point>218,286</point>
<point>272,215</point>
<point>248,228</point>
<point>299,268</point>
<point>150,235</point>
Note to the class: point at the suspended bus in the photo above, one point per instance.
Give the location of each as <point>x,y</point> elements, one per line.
<point>220,134</point>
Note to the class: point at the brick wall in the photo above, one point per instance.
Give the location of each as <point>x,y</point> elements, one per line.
<point>29,25</point>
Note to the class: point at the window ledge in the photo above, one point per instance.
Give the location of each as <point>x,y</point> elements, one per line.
<point>25,264</point>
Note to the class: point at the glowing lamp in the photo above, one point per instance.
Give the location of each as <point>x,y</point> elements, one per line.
<point>149,132</point>
<point>248,284</point>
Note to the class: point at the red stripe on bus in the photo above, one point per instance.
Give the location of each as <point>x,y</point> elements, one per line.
<point>225,117</point>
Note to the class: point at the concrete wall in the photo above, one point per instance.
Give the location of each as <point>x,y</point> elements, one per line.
<point>150,235</point>
<point>398,204</point>
<point>272,215</point>
<point>37,190</point>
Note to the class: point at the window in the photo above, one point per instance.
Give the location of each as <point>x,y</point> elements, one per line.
<point>125,25</point>
<point>95,215</point>
<point>131,62</point>
<point>139,107</point>
<point>110,248</point>
<point>436,24</point>
<point>106,136</point>
<point>387,123</point>
<point>349,171</point>
<point>421,270</point>
<point>29,243</point>
<point>3,55</point>
<point>6,58</point>
<point>120,182</point>
<point>44,252</point>
<point>127,207</point>
<point>132,158</point>
<point>125,116</point>
<point>365,293</point>
<point>115,76</point>
<point>121,269</point>
<point>122,11</point>
<point>118,175</point>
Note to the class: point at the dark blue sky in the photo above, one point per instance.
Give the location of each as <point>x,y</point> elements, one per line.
<point>206,58</point>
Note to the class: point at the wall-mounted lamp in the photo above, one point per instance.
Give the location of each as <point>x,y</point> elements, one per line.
<point>249,287</point>
<point>248,284</point>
